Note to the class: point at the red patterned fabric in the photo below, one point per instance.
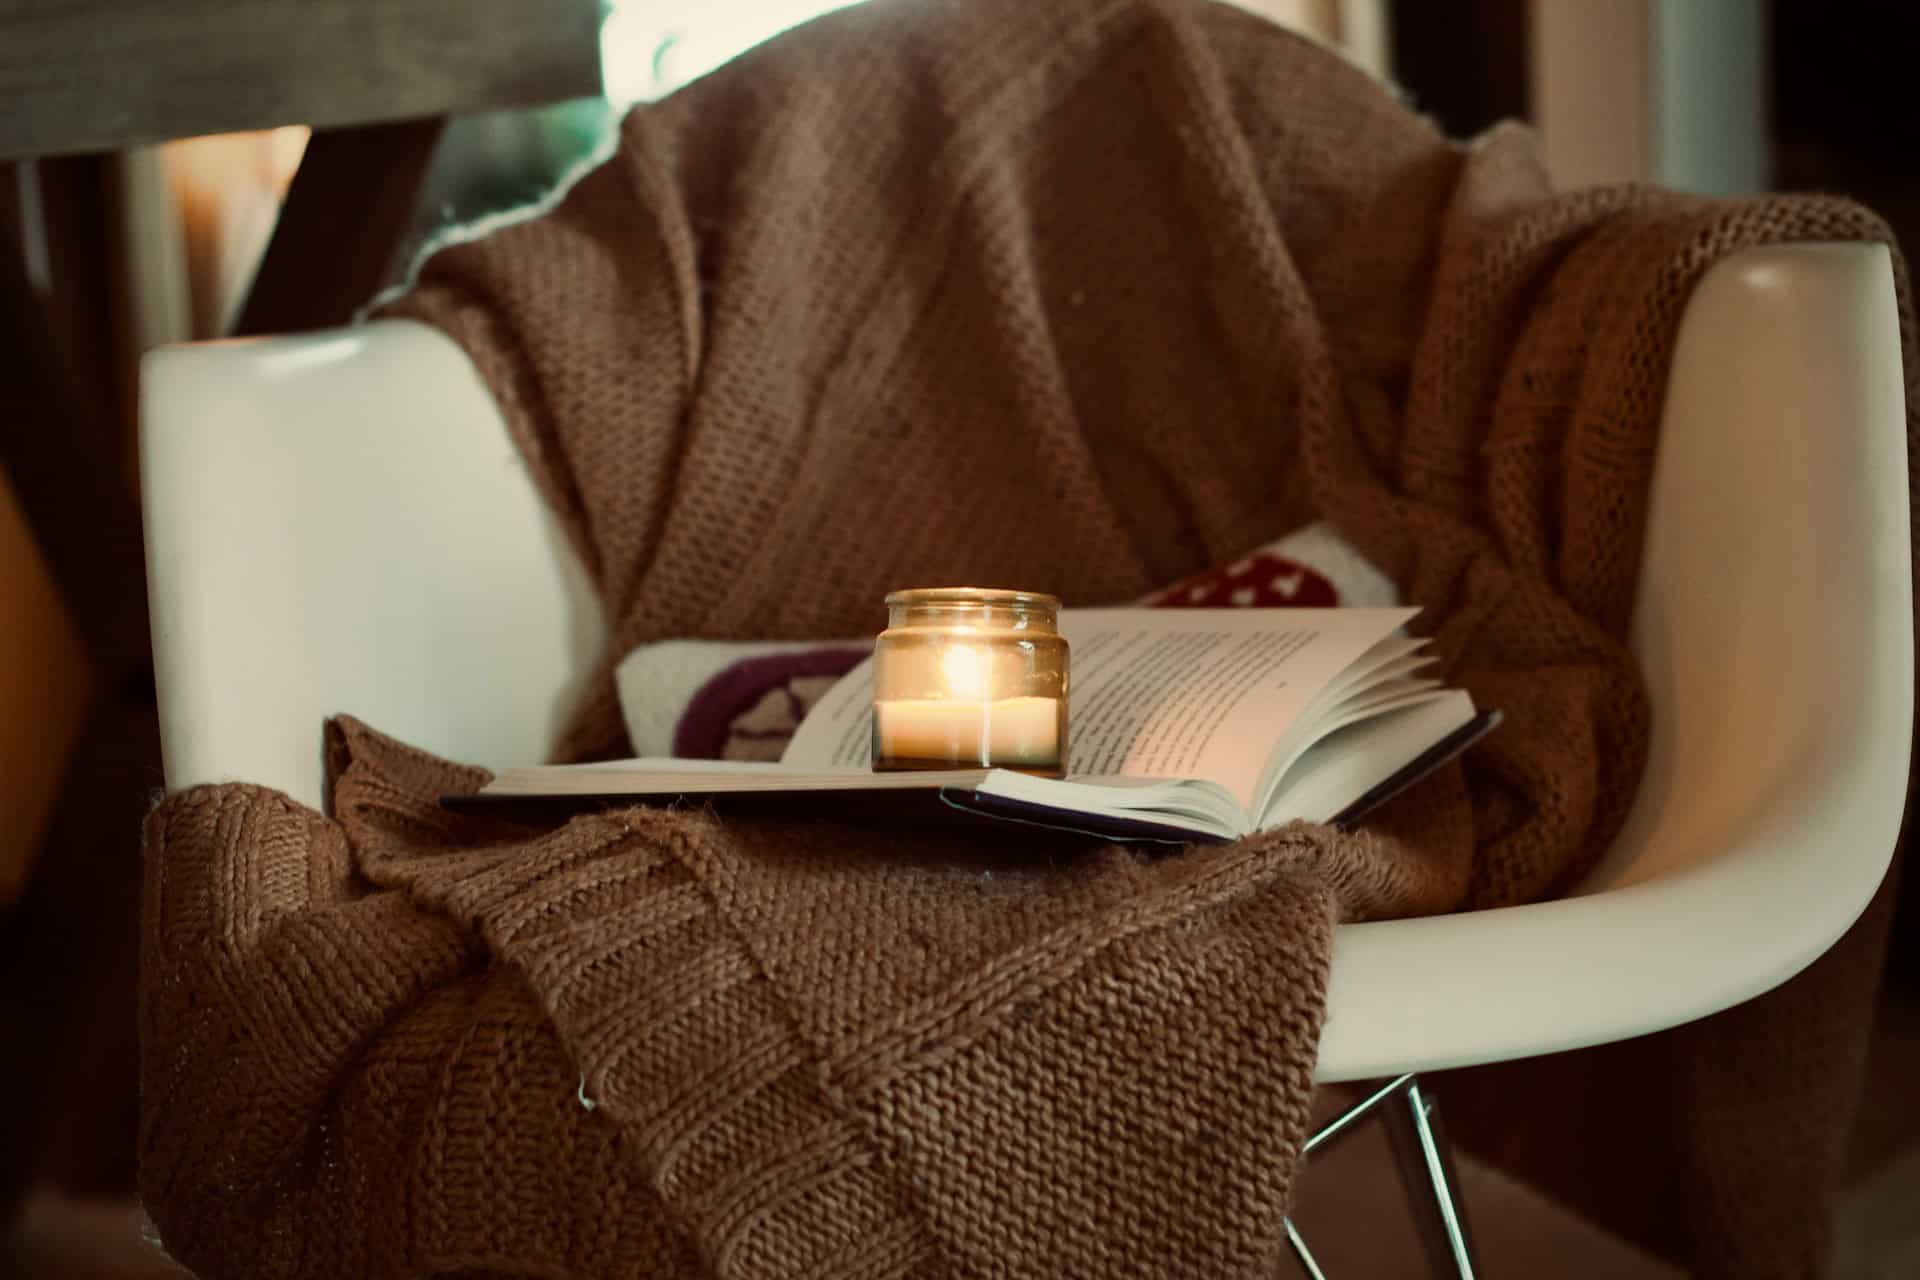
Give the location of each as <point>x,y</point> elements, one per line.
<point>1264,579</point>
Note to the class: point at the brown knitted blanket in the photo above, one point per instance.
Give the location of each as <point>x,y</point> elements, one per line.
<point>1079,296</point>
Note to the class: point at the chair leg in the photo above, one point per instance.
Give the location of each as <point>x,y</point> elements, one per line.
<point>1304,1255</point>
<point>1420,1148</point>
<point>1433,1186</point>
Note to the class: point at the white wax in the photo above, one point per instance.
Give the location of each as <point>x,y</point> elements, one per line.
<point>1007,731</point>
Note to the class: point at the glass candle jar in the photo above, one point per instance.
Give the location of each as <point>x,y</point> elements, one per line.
<point>965,677</point>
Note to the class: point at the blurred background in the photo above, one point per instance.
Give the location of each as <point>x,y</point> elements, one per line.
<point>145,199</point>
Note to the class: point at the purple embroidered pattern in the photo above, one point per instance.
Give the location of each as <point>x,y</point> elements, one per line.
<point>750,710</point>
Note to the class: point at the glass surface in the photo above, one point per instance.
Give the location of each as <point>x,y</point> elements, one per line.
<point>967,677</point>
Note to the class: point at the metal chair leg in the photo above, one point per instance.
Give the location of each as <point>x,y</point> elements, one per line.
<point>1305,1255</point>
<point>1426,1171</point>
<point>1433,1186</point>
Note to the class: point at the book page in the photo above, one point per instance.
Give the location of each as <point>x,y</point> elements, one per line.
<point>838,732</point>
<point>1341,767</point>
<point>1172,693</point>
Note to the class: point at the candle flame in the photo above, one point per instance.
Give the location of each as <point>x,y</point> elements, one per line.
<point>965,668</point>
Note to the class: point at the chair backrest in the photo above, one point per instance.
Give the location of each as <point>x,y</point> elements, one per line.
<point>1774,614</point>
<point>1774,624</point>
<point>340,523</point>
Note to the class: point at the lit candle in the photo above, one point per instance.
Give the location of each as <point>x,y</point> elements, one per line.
<point>1018,733</point>
<point>970,678</point>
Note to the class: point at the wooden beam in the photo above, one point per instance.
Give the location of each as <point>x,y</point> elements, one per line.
<point>98,75</point>
<point>351,201</point>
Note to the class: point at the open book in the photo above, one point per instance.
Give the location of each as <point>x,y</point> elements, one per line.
<point>1184,724</point>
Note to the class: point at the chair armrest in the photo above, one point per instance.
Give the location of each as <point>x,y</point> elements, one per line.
<point>339,522</point>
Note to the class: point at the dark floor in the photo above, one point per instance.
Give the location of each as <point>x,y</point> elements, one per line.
<point>1877,1223</point>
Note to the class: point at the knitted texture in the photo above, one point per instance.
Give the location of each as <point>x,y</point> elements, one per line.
<point>1088,296</point>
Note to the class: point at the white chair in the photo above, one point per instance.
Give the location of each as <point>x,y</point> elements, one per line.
<point>339,522</point>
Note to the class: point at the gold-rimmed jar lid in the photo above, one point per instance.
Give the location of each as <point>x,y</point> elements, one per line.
<point>992,606</point>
